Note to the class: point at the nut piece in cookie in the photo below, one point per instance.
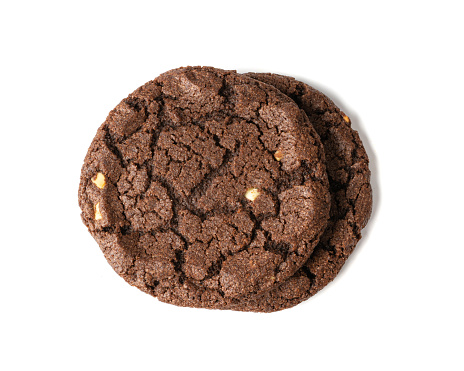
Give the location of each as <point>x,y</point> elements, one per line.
<point>98,214</point>
<point>278,155</point>
<point>252,194</point>
<point>99,180</point>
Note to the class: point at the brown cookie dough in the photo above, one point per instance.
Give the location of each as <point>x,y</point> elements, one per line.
<point>205,186</point>
<point>351,193</point>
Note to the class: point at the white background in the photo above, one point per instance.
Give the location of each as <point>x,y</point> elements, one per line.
<point>396,69</point>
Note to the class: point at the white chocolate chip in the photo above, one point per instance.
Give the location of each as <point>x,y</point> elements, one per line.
<point>98,214</point>
<point>252,193</point>
<point>99,180</point>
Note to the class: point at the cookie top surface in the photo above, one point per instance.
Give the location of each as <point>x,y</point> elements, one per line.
<point>351,195</point>
<point>205,180</point>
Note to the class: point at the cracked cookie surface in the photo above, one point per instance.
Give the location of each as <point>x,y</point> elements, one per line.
<point>166,184</point>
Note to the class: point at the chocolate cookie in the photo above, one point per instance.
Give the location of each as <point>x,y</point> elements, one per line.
<point>204,186</point>
<point>351,193</point>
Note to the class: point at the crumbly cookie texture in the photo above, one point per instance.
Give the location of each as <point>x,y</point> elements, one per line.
<point>205,188</point>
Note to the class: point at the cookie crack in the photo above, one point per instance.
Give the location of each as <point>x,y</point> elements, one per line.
<point>109,141</point>
<point>200,189</point>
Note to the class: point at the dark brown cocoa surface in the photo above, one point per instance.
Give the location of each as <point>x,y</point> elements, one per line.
<point>178,157</point>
